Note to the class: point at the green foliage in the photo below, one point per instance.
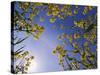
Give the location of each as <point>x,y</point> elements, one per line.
<point>19,55</point>
<point>52,20</point>
<point>24,5</point>
<point>87,58</point>
<point>31,16</point>
<point>23,24</point>
<point>27,25</point>
<point>75,51</point>
<point>92,57</point>
<point>87,9</point>
<point>37,31</point>
<point>70,58</point>
<point>54,52</point>
<point>80,23</point>
<point>90,28</point>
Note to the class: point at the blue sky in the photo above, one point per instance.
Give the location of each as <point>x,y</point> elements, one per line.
<point>41,49</point>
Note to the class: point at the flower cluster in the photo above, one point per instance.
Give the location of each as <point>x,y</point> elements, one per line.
<point>37,31</point>
<point>61,53</point>
<point>23,63</point>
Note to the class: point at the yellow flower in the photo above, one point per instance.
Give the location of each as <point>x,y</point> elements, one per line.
<point>79,24</point>
<point>26,68</point>
<point>75,22</point>
<point>59,38</point>
<point>76,6</point>
<point>55,13</point>
<point>76,36</point>
<point>60,16</point>
<point>59,47</point>
<point>85,10</point>
<point>37,31</point>
<point>90,7</point>
<point>32,57</point>
<point>76,51</point>
<point>85,35</point>
<point>31,16</point>
<point>54,52</point>
<point>63,52</point>
<point>52,20</point>
<point>83,56</point>
<point>27,64</point>
<point>25,53</point>
<point>75,12</point>
<point>61,60</point>
<point>75,45</point>
<point>48,13</point>
<point>86,44</point>
<point>36,37</point>
<point>24,6</point>
<point>18,56</point>
<point>69,13</point>
<point>21,23</point>
<point>60,56</point>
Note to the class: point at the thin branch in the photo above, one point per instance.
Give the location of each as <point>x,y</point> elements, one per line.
<point>20,40</point>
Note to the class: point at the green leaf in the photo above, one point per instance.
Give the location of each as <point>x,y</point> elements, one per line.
<point>37,31</point>
<point>75,45</point>
<point>70,39</point>
<point>69,58</point>
<point>75,51</point>
<point>36,37</point>
<point>75,12</point>
<point>52,20</point>
<point>92,56</point>
<point>86,44</point>
<point>83,56</point>
<point>48,13</point>
<point>90,28</point>
<point>64,52</point>
<point>31,16</point>
<point>54,52</point>
<point>59,37</point>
